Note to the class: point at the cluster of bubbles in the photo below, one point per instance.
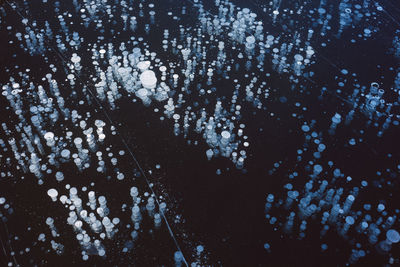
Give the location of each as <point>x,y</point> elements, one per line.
<point>329,199</point>
<point>214,70</point>
<point>320,199</point>
<point>97,218</point>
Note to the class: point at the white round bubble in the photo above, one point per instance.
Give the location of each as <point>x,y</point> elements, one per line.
<point>148,79</point>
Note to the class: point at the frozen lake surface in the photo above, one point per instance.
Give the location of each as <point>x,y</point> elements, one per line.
<point>199,133</point>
